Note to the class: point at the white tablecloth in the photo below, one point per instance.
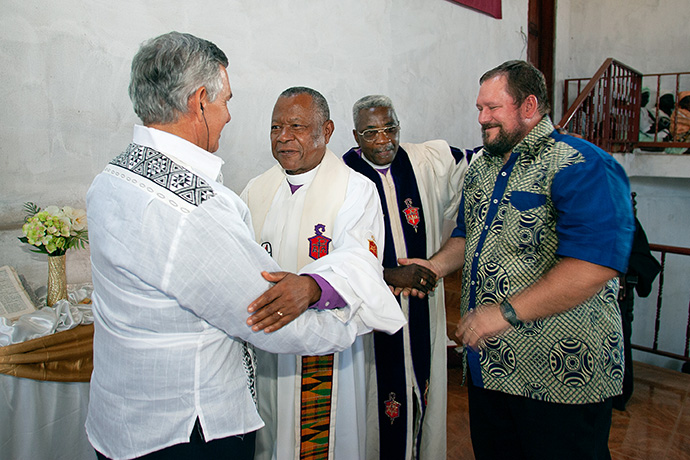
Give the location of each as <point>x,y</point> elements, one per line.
<point>42,420</point>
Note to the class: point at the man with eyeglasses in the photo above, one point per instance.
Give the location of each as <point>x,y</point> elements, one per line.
<point>317,217</point>
<point>419,186</point>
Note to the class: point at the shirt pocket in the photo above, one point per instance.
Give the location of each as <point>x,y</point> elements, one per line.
<point>524,201</point>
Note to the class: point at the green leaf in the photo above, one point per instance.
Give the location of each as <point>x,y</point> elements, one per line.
<point>31,209</point>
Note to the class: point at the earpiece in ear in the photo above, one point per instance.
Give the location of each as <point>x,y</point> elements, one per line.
<point>202,106</point>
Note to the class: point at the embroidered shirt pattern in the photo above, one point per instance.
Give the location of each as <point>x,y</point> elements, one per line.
<point>158,168</point>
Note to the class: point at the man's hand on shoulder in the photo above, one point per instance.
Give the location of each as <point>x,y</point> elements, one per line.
<point>406,278</point>
<point>283,302</point>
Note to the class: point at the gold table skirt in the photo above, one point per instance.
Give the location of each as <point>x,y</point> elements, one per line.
<point>65,356</point>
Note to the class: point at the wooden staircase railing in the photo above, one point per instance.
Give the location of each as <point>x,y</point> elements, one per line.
<point>606,108</point>
<point>664,250</point>
<point>606,111</point>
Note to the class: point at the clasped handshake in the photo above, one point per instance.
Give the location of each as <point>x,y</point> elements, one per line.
<point>410,279</point>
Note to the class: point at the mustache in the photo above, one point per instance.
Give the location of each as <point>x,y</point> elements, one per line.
<point>386,148</point>
<point>486,126</point>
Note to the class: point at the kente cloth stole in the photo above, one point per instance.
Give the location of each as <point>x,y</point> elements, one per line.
<point>325,196</point>
<point>391,380</point>
<point>317,390</point>
<point>317,419</point>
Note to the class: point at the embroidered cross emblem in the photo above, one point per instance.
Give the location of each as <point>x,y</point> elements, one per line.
<point>411,213</point>
<point>392,408</point>
<point>318,244</point>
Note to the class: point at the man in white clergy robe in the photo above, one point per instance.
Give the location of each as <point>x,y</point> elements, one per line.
<point>175,267</point>
<point>314,215</point>
<point>419,187</point>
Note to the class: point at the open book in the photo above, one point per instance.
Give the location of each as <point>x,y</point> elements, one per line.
<point>14,300</point>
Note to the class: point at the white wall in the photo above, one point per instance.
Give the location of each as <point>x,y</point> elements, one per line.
<point>663,207</point>
<point>648,35</point>
<point>651,37</point>
<point>65,69</point>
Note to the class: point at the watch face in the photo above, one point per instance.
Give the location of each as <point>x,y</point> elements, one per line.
<point>509,313</point>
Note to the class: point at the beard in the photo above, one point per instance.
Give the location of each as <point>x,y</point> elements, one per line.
<point>504,140</point>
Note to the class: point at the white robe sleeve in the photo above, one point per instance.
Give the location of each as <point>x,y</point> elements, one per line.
<point>352,269</point>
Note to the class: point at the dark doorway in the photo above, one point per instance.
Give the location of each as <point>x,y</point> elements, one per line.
<point>540,40</point>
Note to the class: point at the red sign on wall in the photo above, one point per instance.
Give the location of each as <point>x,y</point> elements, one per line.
<point>490,7</point>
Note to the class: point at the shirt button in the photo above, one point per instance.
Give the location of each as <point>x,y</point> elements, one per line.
<point>503,174</point>
<point>328,304</point>
<point>495,201</point>
<point>486,227</point>
<point>472,283</point>
<point>476,254</point>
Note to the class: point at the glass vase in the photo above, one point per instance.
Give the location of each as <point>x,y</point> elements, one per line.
<point>57,280</point>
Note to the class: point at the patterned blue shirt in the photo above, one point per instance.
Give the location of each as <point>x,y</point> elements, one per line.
<point>557,196</point>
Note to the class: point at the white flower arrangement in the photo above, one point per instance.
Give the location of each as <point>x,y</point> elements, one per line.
<point>53,230</point>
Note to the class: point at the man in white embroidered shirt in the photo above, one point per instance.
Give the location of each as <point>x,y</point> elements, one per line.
<point>174,268</point>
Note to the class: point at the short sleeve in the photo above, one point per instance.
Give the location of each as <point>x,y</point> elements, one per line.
<point>592,199</point>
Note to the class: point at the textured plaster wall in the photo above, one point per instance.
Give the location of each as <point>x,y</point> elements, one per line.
<point>64,68</point>
<point>651,37</point>
<point>663,205</point>
<point>648,35</point>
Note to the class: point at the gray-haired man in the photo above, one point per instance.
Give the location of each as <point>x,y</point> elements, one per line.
<point>174,267</point>
<point>419,186</point>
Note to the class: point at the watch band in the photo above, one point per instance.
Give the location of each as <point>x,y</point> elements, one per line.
<point>508,313</point>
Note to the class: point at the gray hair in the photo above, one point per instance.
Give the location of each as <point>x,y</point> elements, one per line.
<point>317,98</point>
<point>167,70</point>
<point>369,102</point>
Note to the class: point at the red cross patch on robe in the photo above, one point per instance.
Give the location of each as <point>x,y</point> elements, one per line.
<point>411,214</point>
<point>318,244</point>
<point>372,247</point>
<point>392,408</point>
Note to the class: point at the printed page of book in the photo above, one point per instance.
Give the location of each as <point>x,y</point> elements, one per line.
<point>14,300</point>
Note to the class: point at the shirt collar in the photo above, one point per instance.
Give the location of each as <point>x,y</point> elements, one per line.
<point>183,152</point>
<point>534,141</point>
<point>302,179</point>
<point>383,169</point>
<point>531,144</point>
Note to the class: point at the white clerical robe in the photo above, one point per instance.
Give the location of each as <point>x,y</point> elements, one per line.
<point>351,267</point>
